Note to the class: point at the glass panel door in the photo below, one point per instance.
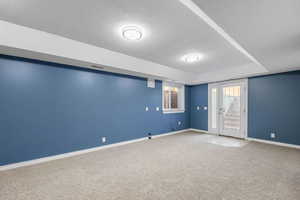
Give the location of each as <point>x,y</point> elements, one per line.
<point>230,110</point>
<point>213,114</point>
<point>227,108</point>
<point>214,108</point>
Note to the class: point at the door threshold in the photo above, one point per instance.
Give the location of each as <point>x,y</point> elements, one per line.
<point>228,136</point>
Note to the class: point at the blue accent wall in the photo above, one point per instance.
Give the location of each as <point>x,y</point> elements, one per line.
<point>199,97</point>
<point>48,109</point>
<point>274,106</point>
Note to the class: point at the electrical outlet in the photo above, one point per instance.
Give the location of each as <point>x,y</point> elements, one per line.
<point>103,139</point>
<point>272,135</point>
<point>147,109</point>
<point>179,123</point>
<point>157,108</point>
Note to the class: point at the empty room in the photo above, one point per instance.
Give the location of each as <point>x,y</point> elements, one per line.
<point>150,100</point>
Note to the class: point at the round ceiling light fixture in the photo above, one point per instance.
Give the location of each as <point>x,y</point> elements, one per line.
<point>132,33</point>
<point>192,57</point>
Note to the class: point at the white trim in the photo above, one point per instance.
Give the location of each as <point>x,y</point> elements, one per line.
<point>75,153</point>
<point>198,130</point>
<point>202,131</point>
<point>181,97</point>
<point>210,87</point>
<point>173,111</point>
<point>170,133</point>
<point>274,143</point>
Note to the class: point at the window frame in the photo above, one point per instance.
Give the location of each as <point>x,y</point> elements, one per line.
<point>180,98</point>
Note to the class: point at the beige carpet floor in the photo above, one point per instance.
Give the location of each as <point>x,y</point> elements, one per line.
<point>182,166</point>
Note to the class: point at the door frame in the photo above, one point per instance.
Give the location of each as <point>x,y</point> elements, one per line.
<point>218,85</point>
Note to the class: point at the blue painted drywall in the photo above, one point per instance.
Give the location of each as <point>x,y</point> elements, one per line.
<point>274,106</point>
<point>48,109</point>
<point>199,97</point>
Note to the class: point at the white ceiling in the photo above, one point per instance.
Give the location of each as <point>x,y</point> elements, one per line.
<point>237,38</point>
<point>268,29</point>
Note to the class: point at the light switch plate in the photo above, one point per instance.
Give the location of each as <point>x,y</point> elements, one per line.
<point>147,109</point>
<point>157,108</point>
<point>103,139</point>
<point>198,107</point>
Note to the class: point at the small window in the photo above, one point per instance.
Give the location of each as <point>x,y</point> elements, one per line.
<point>214,109</point>
<point>173,97</point>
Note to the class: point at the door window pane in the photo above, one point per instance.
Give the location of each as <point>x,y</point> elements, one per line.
<point>231,107</point>
<point>214,111</point>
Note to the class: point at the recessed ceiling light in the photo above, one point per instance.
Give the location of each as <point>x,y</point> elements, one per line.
<point>192,57</point>
<point>131,32</point>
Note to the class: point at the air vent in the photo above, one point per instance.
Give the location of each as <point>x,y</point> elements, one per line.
<point>98,67</point>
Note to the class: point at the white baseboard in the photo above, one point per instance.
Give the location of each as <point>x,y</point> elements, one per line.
<point>75,153</point>
<point>274,143</point>
<point>198,130</point>
<point>170,133</point>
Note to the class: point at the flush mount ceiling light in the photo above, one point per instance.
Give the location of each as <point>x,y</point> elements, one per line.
<point>132,33</point>
<point>192,57</point>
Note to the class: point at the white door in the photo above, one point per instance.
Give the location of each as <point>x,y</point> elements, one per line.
<point>228,108</point>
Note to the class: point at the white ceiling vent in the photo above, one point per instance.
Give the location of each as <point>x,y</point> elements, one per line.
<point>150,83</point>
